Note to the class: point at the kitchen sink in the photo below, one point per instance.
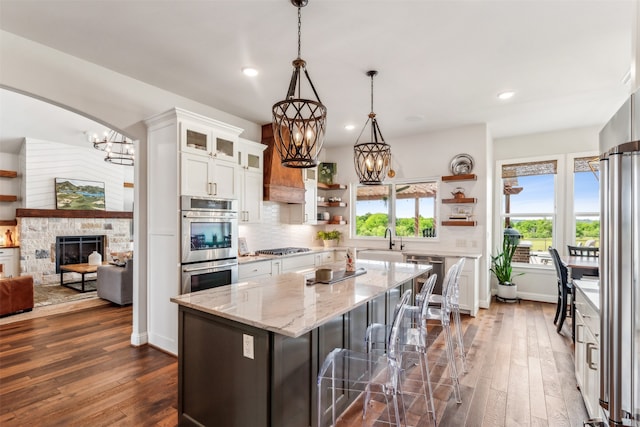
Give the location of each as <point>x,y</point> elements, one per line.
<point>381,255</point>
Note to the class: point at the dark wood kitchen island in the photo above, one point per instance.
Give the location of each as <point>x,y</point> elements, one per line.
<point>249,353</point>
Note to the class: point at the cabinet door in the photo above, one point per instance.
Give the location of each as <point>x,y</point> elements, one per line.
<point>225,147</point>
<point>224,179</point>
<point>592,374</point>
<point>10,262</point>
<point>579,347</point>
<point>276,267</point>
<point>195,138</point>
<point>196,177</point>
<point>251,197</point>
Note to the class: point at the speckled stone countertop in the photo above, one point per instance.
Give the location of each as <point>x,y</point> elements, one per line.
<point>591,289</point>
<point>285,304</point>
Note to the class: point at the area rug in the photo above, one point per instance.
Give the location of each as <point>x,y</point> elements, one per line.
<point>44,295</point>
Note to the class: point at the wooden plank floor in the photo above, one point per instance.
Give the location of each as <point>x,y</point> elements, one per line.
<point>79,369</point>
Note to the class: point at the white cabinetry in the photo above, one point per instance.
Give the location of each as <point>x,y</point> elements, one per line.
<point>187,154</point>
<point>307,213</point>
<point>10,262</point>
<point>468,298</point>
<point>250,172</point>
<point>208,158</point>
<point>254,270</point>
<point>297,263</point>
<point>587,355</point>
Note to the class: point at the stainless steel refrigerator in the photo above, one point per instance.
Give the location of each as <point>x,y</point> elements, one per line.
<point>620,266</point>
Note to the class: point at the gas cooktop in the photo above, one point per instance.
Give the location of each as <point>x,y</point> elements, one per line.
<point>282,251</point>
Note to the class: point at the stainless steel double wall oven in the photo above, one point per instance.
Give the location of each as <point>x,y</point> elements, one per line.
<point>209,247</point>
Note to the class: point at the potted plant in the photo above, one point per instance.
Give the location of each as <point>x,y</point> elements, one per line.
<point>329,238</point>
<point>502,269</point>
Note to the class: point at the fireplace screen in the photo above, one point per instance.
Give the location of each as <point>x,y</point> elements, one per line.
<point>76,249</point>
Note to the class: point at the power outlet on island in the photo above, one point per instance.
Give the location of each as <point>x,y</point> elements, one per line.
<point>461,243</point>
<point>247,346</point>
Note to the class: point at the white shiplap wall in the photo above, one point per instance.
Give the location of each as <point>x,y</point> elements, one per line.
<point>43,161</point>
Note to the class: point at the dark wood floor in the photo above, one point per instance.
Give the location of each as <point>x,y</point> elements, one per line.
<point>79,369</point>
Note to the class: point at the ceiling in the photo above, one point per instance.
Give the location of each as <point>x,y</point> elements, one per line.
<point>441,63</point>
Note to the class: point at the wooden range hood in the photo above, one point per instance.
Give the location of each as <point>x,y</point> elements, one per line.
<point>281,184</point>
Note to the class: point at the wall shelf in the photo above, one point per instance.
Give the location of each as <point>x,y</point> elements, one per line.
<point>323,186</point>
<point>8,174</point>
<point>8,222</point>
<point>459,223</point>
<point>332,204</point>
<point>460,200</point>
<point>8,198</point>
<point>465,177</point>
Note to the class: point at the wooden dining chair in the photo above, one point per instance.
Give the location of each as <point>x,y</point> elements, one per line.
<point>565,289</point>
<point>583,251</point>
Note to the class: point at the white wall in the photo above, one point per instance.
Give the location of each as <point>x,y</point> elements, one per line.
<point>46,160</point>
<point>539,282</point>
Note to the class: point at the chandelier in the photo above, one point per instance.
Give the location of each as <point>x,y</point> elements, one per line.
<point>372,159</point>
<point>119,149</point>
<point>298,123</point>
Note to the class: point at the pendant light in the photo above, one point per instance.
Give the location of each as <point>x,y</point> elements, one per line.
<point>298,123</point>
<point>372,159</point>
<point>119,149</point>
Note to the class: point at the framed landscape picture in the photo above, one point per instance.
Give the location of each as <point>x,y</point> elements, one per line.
<point>78,194</point>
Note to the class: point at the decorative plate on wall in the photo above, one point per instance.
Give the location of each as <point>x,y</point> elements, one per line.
<point>461,164</point>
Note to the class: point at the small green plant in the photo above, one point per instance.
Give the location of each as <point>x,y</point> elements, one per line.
<point>501,263</point>
<point>329,235</point>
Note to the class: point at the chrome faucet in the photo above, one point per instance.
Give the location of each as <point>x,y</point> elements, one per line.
<point>391,244</point>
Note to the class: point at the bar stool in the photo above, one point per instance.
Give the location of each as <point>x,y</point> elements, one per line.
<point>344,370</point>
<point>443,316</point>
<point>413,347</point>
<point>455,308</point>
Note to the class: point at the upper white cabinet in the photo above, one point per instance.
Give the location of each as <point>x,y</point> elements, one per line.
<point>307,213</point>
<point>250,174</point>
<point>208,158</point>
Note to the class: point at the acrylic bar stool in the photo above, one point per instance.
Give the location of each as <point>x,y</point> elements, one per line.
<point>345,372</point>
<point>443,315</point>
<point>436,299</point>
<point>413,350</point>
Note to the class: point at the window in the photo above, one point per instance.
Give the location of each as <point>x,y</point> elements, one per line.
<point>586,201</point>
<point>407,208</point>
<point>528,207</point>
<point>549,202</point>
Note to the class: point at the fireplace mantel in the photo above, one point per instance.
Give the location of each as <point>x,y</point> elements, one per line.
<point>64,213</point>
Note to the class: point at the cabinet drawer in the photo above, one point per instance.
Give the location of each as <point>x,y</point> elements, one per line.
<point>590,316</point>
<point>298,262</point>
<point>254,269</point>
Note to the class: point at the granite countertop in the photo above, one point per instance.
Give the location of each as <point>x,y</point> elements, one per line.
<point>591,289</point>
<point>286,305</point>
<point>256,258</point>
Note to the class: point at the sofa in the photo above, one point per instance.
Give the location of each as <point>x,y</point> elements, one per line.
<point>115,283</point>
<point>16,295</point>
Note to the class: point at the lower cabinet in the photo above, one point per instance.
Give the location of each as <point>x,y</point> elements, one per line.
<point>254,270</point>
<point>10,262</point>
<point>586,353</point>
<point>469,279</point>
<point>270,382</point>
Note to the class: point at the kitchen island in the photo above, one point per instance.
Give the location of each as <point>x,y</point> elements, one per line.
<point>249,352</point>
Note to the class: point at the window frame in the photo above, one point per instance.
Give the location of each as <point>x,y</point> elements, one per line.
<point>392,209</point>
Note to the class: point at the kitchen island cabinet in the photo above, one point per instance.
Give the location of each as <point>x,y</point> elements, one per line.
<point>249,352</point>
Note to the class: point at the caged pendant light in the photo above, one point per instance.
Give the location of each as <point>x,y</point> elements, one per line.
<point>372,159</point>
<point>298,123</point>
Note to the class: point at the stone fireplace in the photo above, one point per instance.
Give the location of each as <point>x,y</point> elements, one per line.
<point>38,230</point>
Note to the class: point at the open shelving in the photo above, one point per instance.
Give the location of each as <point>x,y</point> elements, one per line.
<point>326,204</point>
<point>459,200</point>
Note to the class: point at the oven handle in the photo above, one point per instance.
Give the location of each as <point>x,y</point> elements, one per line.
<point>211,267</point>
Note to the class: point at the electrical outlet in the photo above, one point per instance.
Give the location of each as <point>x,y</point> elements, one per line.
<point>247,346</point>
<point>474,244</point>
<point>461,243</point>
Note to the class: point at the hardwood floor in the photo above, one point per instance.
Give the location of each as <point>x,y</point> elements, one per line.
<point>79,369</point>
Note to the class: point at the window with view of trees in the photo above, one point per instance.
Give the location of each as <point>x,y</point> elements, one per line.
<point>408,209</point>
<point>528,206</point>
<point>586,201</point>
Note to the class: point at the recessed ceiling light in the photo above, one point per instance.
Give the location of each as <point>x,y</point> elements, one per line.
<point>506,95</point>
<point>349,127</point>
<point>248,71</point>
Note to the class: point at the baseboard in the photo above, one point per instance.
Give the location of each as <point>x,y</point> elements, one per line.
<point>139,339</point>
